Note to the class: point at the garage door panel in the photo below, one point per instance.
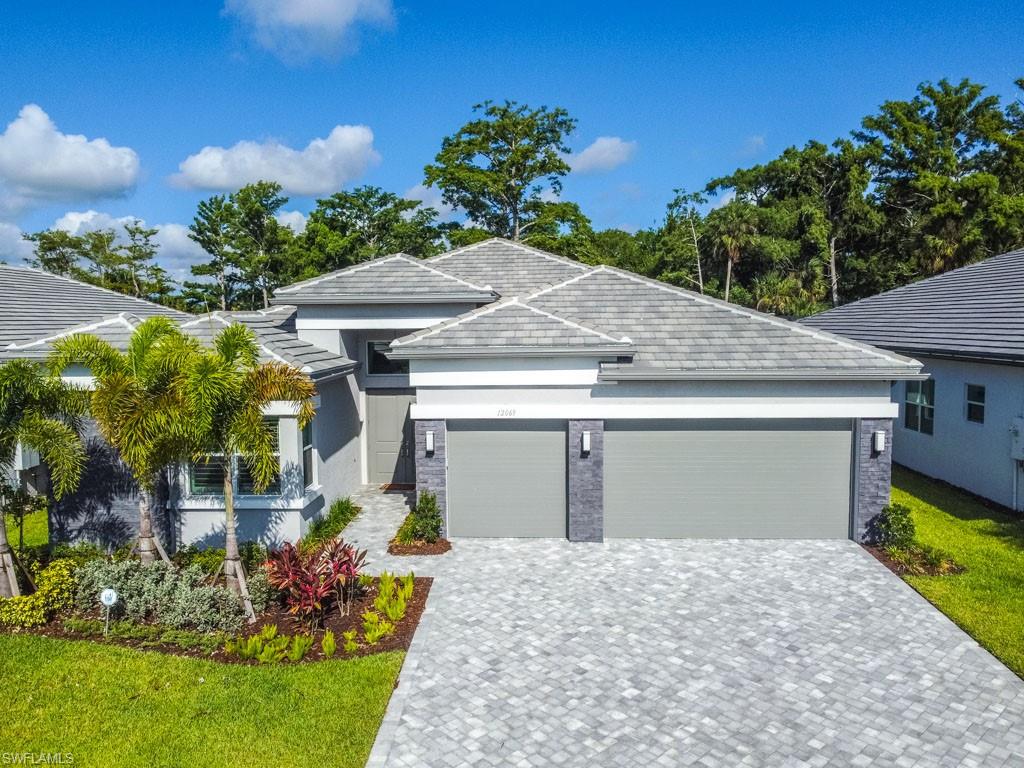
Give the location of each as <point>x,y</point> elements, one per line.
<point>507,479</point>
<point>727,479</point>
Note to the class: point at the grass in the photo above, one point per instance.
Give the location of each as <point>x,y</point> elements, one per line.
<point>36,529</point>
<point>988,600</point>
<point>114,706</point>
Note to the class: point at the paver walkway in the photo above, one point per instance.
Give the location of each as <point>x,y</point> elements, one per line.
<point>677,653</point>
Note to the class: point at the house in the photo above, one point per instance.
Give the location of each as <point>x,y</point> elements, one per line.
<point>964,423</point>
<point>37,308</point>
<point>540,397</point>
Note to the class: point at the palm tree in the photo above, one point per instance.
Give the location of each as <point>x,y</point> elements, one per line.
<point>733,229</point>
<point>136,405</point>
<point>39,412</point>
<point>226,390</point>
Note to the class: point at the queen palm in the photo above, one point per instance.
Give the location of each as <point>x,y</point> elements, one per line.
<point>39,412</point>
<point>733,229</point>
<point>226,390</point>
<point>137,407</point>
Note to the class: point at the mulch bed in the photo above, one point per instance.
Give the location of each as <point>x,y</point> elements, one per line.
<point>399,640</point>
<point>900,569</point>
<point>438,547</point>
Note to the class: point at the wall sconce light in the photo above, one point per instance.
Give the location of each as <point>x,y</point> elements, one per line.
<point>430,442</point>
<point>878,441</point>
<point>585,443</point>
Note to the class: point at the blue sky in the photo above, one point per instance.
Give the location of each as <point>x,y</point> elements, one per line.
<point>681,92</point>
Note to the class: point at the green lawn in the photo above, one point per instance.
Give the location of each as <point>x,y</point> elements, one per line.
<point>115,706</point>
<point>988,600</point>
<point>36,529</point>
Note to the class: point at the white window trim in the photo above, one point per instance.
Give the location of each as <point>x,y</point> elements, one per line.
<point>968,403</point>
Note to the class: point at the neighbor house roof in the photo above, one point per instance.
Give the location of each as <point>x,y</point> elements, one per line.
<point>390,279</point>
<point>276,342</point>
<point>510,268</point>
<point>34,304</point>
<point>974,312</point>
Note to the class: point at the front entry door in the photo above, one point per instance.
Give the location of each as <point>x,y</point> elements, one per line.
<point>390,449</point>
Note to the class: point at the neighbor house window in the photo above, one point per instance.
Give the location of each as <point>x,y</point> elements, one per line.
<point>976,403</point>
<point>378,363</point>
<point>205,476</point>
<point>919,407</point>
<point>307,455</point>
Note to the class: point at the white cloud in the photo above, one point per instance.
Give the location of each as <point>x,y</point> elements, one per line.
<point>752,145</point>
<point>79,222</point>
<point>605,154</point>
<point>38,164</point>
<point>724,200</point>
<point>323,167</point>
<point>14,249</point>
<point>294,220</point>
<point>298,30</point>
<point>431,198</point>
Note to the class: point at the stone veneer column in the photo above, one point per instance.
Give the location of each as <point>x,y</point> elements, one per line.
<point>874,474</point>
<point>586,482</point>
<point>431,471</point>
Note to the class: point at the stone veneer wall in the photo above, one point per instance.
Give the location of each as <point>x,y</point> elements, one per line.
<point>431,473</point>
<point>586,482</point>
<point>874,474</point>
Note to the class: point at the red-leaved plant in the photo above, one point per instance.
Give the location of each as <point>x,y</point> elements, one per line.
<point>316,579</point>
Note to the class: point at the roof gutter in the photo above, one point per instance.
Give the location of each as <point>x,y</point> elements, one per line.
<point>755,375</point>
<point>497,352</point>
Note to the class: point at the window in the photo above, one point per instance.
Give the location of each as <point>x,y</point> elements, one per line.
<point>919,407</point>
<point>976,403</point>
<point>307,455</point>
<point>378,363</point>
<point>205,477</point>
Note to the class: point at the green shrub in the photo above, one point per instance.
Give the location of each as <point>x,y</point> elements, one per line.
<point>260,592</point>
<point>330,526</point>
<point>161,594</point>
<point>328,645</point>
<point>300,647</point>
<point>253,555</point>
<point>83,626</point>
<point>893,527</point>
<point>423,523</point>
<point>351,645</point>
<point>55,590</point>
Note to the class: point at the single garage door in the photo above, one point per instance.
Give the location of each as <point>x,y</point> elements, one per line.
<point>506,478</point>
<point>727,479</point>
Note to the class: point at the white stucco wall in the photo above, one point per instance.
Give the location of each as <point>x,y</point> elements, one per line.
<point>961,452</point>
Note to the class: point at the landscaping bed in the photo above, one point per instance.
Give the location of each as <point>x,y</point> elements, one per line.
<point>438,547</point>
<point>916,562</point>
<point>420,532</point>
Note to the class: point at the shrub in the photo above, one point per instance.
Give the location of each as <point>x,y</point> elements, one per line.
<point>328,645</point>
<point>55,590</point>
<point>423,523</point>
<point>351,645</point>
<point>392,595</point>
<point>253,555</point>
<point>36,558</point>
<point>375,628</point>
<point>161,594</point>
<point>330,526</point>
<point>260,592</point>
<point>300,647</point>
<point>314,579</point>
<point>893,527</point>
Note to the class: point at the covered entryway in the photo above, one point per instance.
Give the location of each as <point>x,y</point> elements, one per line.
<point>506,478</point>
<point>727,479</point>
<point>390,441</point>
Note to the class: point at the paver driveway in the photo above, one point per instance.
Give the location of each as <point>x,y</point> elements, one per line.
<point>712,653</point>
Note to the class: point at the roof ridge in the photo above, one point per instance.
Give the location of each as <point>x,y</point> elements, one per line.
<point>515,244</point>
<point>574,324</point>
<point>125,318</point>
<point>337,273</point>
<point>457,320</point>
<point>754,314</point>
<point>422,263</point>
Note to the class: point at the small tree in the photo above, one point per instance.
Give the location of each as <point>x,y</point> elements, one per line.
<point>38,412</point>
<point>226,390</point>
<point>137,406</point>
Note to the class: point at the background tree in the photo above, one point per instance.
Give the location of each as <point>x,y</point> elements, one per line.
<point>211,230</point>
<point>226,390</point>
<point>42,413</point>
<point>137,258</point>
<point>732,230</point>
<point>137,406</point>
<point>56,251</point>
<point>497,166</point>
<point>258,238</point>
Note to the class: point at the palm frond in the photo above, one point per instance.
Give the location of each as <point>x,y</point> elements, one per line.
<point>272,382</point>
<point>236,344</point>
<point>90,351</point>
<point>58,445</point>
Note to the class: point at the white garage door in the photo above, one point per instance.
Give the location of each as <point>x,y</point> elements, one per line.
<point>727,479</point>
<point>507,478</point>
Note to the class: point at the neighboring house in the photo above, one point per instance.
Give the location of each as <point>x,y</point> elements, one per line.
<point>964,424</point>
<point>540,397</point>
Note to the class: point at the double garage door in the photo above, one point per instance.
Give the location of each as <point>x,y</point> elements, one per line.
<point>662,479</point>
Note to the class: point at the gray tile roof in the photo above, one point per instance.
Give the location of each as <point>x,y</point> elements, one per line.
<point>35,304</point>
<point>678,333</point>
<point>510,268</point>
<point>271,328</point>
<point>973,312</point>
<point>507,327</point>
<point>397,278</point>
